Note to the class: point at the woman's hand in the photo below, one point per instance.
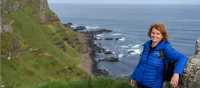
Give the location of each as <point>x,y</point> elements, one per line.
<point>132,82</point>
<point>175,80</point>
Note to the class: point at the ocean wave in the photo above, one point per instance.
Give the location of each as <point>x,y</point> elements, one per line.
<point>116,34</point>
<point>100,35</point>
<point>92,27</point>
<point>122,39</point>
<point>74,26</point>
<point>124,46</point>
<point>134,51</point>
<point>138,51</point>
<point>120,55</point>
<point>136,46</point>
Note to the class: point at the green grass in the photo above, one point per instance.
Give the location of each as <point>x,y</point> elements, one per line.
<point>39,58</point>
<point>98,82</point>
<point>5,46</point>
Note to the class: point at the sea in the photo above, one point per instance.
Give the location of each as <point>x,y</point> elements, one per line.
<point>130,24</point>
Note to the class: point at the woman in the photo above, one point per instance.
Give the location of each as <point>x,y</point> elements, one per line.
<point>149,71</point>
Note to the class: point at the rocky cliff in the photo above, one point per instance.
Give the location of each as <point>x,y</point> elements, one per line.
<point>9,6</point>
<point>191,78</point>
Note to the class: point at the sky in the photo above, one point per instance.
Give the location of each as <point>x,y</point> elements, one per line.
<point>126,1</point>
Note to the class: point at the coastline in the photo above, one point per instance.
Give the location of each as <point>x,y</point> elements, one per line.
<point>95,57</point>
<point>89,64</point>
<point>86,61</point>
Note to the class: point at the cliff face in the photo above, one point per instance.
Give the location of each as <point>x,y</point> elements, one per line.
<point>9,6</point>
<point>1,11</point>
<point>35,47</point>
<point>14,5</point>
<point>39,10</point>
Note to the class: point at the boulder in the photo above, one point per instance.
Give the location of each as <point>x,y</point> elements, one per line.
<point>101,72</point>
<point>78,28</point>
<point>110,56</point>
<point>68,24</point>
<point>99,31</point>
<point>108,38</point>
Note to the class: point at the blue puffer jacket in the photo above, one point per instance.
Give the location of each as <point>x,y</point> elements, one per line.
<point>149,71</point>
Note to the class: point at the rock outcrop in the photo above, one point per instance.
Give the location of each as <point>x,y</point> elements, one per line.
<point>8,6</point>
<point>43,11</point>
<point>0,16</point>
<point>191,78</point>
<point>197,52</point>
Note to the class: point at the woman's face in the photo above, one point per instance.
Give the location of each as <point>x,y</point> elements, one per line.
<point>156,36</point>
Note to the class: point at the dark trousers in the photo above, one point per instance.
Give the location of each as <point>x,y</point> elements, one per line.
<point>141,86</point>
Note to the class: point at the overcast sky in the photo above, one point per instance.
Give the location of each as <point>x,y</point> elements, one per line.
<point>127,1</point>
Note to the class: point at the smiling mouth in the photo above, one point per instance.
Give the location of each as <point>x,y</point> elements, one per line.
<point>153,38</point>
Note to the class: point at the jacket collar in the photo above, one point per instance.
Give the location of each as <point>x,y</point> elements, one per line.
<point>161,45</point>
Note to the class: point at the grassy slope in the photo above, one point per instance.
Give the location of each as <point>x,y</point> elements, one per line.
<point>98,82</point>
<point>39,61</point>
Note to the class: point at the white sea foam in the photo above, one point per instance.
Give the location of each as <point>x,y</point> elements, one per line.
<point>130,50</point>
<point>124,46</point>
<point>136,46</point>
<point>122,39</point>
<point>135,49</point>
<point>120,55</point>
<point>132,53</point>
<point>100,35</point>
<point>98,38</point>
<point>106,49</point>
<point>74,26</point>
<point>92,27</point>
<point>116,34</point>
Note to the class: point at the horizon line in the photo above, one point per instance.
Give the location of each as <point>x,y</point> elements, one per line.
<point>124,3</point>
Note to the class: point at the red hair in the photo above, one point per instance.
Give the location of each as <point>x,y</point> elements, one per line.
<point>161,28</point>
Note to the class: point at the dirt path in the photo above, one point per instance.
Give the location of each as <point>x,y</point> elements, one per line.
<point>86,59</point>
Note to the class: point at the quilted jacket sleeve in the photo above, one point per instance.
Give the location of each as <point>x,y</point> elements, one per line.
<point>181,60</point>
